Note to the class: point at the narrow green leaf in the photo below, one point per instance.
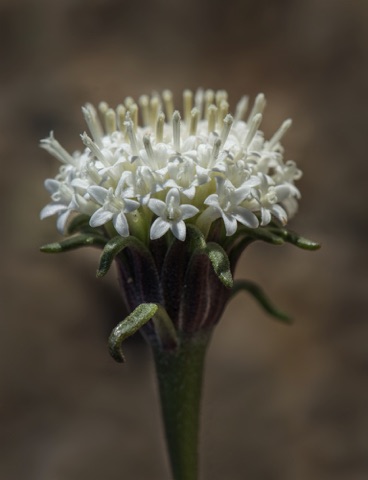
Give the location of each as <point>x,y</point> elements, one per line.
<point>195,238</point>
<point>263,233</point>
<point>220,263</point>
<point>133,322</point>
<point>295,239</point>
<point>113,247</point>
<point>260,296</point>
<point>71,243</point>
<point>215,253</point>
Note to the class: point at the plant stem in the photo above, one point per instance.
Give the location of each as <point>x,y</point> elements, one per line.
<point>179,374</point>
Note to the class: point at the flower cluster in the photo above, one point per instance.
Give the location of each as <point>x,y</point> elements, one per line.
<point>174,170</point>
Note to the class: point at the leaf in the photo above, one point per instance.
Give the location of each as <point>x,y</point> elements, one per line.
<point>113,247</point>
<point>264,234</point>
<point>215,253</point>
<point>295,239</point>
<point>71,243</point>
<point>220,263</point>
<point>133,322</point>
<point>262,299</point>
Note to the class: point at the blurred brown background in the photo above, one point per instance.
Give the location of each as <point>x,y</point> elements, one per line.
<point>280,403</point>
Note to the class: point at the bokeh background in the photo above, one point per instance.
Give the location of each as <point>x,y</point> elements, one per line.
<point>280,403</point>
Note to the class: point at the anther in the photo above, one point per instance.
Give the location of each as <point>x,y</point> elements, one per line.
<point>227,124</point>
<point>167,97</point>
<point>133,110</point>
<point>154,110</point>
<point>144,103</point>
<point>252,128</point>
<point>241,108</point>
<point>187,104</point>
<point>131,135</point>
<point>94,125</point>
<point>121,114</point>
<point>176,130</point>
<point>160,127</point>
<point>110,121</point>
<point>212,117</point>
<point>279,133</point>
<point>194,117</point>
<point>209,97</point>
<point>258,107</point>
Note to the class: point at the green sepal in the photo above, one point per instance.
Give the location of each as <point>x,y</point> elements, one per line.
<point>295,239</point>
<point>76,241</point>
<point>262,299</point>
<point>215,253</point>
<point>133,322</point>
<point>220,263</point>
<point>113,247</point>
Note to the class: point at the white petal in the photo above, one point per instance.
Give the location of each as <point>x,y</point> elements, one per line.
<point>52,185</point>
<point>188,211</point>
<point>279,213</point>
<point>100,217</point>
<point>130,205</point>
<point>212,200</point>
<point>157,206</point>
<point>179,230</point>
<point>230,224</point>
<point>159,228</point>
<point>98,193</point>
<point>282,192</point>
<point>266,216</point>
<point>51,209</point>
<point>61,221</point>
<point>121,224</point>
<point>246,217</point>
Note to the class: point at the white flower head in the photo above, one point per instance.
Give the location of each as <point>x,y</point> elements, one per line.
<point>146,160</point>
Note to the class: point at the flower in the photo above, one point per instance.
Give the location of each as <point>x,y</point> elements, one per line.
<point>170,172</point>
<point>171,215</point>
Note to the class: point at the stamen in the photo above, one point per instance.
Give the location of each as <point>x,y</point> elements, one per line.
<point>93,123</point>
<point>194,117</point>
<point>227,124</point>
<point>258,107</point>
<point>121,114</point>
<point>253,127</point>
<point>212,116</point>
<point>52,146</point>
<point>103,107</point>
<point>110,121</point>
<point>188,104</point>
<point>209,97</point>
<point>221,95</point>
<point>133,110</point>
<point>279,133</point>
<point>154,109</point>
<point>128,101</point>
<point>215,152</point>
<point>144,103</point>
<point>169,103</point>
<point>176,130</point>
<point>148,147</point>
<point>89,143</point>
<point>198,101</point>
<point>131,135</point>
<point>160,127</point>
<point>241,108</point>
<point>223,111</point>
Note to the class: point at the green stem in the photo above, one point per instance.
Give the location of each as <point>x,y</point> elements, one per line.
<point>179,374</point>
